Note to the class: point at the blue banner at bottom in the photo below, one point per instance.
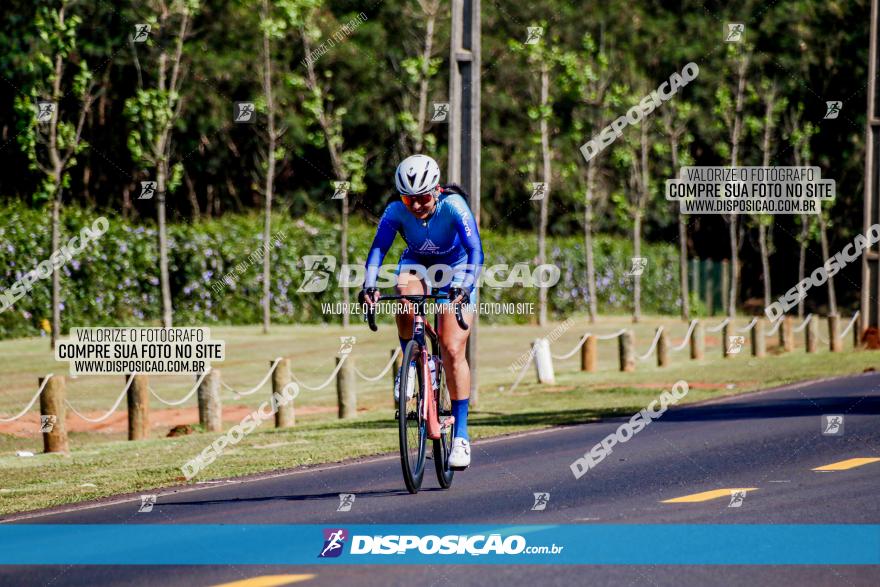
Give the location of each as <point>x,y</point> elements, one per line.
<point>600,544</point>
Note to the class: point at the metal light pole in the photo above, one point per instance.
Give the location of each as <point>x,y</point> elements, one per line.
<point>871,259</point>
<point>464,123</point>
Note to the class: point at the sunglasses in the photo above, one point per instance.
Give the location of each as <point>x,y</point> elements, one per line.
<point>422,199</point>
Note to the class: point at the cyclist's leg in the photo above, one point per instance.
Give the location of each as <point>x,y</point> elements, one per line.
<point>409,282</point>
<point>453,342</point>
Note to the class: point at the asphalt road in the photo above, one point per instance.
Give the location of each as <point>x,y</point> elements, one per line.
<point>770,441</point>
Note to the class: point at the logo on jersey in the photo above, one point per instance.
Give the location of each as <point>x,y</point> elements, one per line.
<point>428,247</point>
<point>464,217</point>
<point>334,541</point>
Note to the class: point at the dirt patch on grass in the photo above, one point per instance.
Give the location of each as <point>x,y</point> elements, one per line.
<point>161,421</point>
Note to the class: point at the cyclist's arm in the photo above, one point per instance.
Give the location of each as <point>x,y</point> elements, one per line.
<point>389,224</point>
<point>469,235</point>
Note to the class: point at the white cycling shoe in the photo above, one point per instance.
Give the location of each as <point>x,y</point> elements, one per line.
<point>410,386</point>
<point>460,457</point>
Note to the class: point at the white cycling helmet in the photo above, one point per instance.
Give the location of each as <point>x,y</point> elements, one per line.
<point>417,174</point>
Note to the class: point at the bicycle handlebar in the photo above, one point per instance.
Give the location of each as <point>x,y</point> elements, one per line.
<point>370,314</point>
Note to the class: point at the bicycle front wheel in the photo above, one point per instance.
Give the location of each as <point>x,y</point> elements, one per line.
<point>412,428</point>
<point>443,446</point>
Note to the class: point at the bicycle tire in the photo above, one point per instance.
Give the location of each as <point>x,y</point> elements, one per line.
<point>443,445</point>
<point>412,462</point>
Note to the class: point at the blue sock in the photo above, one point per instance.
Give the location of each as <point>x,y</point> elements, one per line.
<point>403,343</point>
<point>460,413</point>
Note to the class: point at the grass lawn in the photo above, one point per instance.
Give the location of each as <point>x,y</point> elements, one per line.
<point>102,464</point>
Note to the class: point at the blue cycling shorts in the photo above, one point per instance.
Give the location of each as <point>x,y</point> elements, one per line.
<point>420,266</point>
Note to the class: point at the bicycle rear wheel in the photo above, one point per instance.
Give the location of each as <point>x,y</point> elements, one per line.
<point>443,446</point>
<point>411,426</point>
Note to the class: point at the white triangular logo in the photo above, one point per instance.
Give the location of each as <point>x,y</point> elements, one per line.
<point>429,247</point>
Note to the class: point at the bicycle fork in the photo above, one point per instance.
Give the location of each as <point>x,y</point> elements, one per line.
<point>429,406</point>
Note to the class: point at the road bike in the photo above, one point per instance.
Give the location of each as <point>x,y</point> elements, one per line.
<point>423,411</point>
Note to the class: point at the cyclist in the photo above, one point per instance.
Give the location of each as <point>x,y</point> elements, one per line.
<point>439,229</point>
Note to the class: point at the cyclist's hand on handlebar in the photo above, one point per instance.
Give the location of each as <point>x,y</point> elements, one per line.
<point>368,295</point>
<point>459,295</point>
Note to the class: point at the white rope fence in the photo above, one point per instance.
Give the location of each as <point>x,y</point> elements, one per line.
<point>842,334</point>
<point>653,345</point>
<point>748,326</point>
<point>687,337</point>
<point>109,412</point>
<point>522,370</point>
<point>384,371</point>
<point>717,328</point>
<point>776,326</point>
<point>185,398</point>
<point>574,350</point>
<point>850,325</point>
<point>257,387</point>
<point>327,382</point>
<point>803,324</point>
<point>30,403</point>
<point>530,360</point>
<point>584,339</point>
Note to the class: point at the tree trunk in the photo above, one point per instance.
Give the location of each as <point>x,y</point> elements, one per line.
<point>338,169</point>
<point>682,245</point>
<point>643,187</point>
<point>765,261</point>
<point>588,242</point>
<point>545,153</point>
<point>270,172</point>
<point>733,219</point>
<point>162,171</point>
<point>769,100</point>
<point>193,198</point>
<point>802,258</point>
<point>823,239</point>
<point>56,273</point>
<point>637,279</point>
<point>431,12</point>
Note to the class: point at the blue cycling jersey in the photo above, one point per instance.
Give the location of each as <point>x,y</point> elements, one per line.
<point>448,237</point>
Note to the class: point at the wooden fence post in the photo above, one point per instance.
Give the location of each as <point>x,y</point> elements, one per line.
<point>698,341</point>
<point>834,342</point>
<point>786,336</point>
<point>210,407</point>
<point>285,416</point>
<point>856,334</point>
<point>710,288</point>
<point>759,343</point>
<point>588,354</point>
<point>662,349</point>
<point>138,407</point>
<point>811,335</point>
<point>626,344</point>
<point>346,390</point>
<point>725,285</point>
<point>725,341</point>
<point>52,414</point>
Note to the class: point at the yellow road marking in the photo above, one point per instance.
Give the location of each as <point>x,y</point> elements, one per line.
<point>268,581</point>
<point>707,495</point>
<point>847,464</point>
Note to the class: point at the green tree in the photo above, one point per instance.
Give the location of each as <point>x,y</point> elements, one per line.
<point>50,128</point>
<point>153,112</point>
